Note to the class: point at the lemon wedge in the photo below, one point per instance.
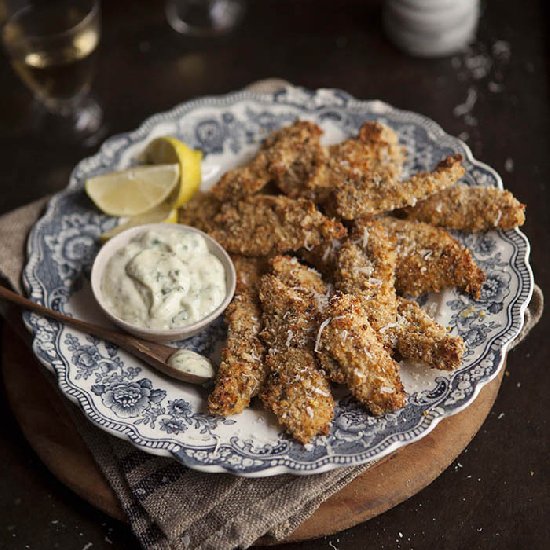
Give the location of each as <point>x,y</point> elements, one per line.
<point>169,150</point>
<point>134,191</point>
<point>163,213</point>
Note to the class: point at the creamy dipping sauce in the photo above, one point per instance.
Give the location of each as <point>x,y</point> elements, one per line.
<point>190,362</point>
<point>163,279</point>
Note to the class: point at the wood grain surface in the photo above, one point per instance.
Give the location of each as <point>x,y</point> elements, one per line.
<point>42,415</point>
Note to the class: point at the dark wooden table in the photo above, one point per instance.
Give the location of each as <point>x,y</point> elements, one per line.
<point>496,495</point>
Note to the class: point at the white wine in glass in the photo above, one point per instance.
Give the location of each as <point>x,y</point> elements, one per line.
<point>52,47</point>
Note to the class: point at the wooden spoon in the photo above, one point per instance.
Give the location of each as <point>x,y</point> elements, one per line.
<point>155,355</point>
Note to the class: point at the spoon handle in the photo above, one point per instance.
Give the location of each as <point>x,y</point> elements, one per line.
<point>151,353</point>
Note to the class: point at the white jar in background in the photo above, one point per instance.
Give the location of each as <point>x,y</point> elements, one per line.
<point>431,27</point>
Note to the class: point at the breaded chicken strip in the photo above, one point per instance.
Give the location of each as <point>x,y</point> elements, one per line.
<point>470,209</point>
<point>289,315</point>
<point>292,297</point>
<point>400,323</point>
<point>323,257</point>
<point>292,157</point>
<point>297,162</point>
<point>365,366</point>
<point>296,275</point>
<point>429,260</point>
<point>295,390</point>
<point>245,180</point>
<point>375,193</point>
<point>264,225</point>
<point>242,369</point>
<point>200,211</point>
<point>366,269</point>
<point>298,394</point>
<point>420,339</point>
<point>249,272</point>
<point>376,149</point>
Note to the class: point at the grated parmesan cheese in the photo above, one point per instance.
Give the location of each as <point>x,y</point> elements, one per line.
<point>320,332</point>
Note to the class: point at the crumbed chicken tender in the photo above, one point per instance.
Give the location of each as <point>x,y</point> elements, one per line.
<point>366,269</point>
<point>295,390</point>
<point>245,180</point>
<point>291,157</point>
<point>430,260</point>
<point>365,366</point>
<point>323,257</point>
<point>420,339</point>
<point>289,315</point>
<point>470,209</point>
<point>200,211</point>
<point>375,149</point>
<point>294,274</point>
<point>242,369</point>
<point>248,271</point>
<point>298,394</point>
<point>292,297</point>
<point>369,193</point>
<point>297,161</point>
<point>264,225</point>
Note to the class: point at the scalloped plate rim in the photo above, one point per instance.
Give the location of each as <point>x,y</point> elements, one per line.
<point>124,432</point>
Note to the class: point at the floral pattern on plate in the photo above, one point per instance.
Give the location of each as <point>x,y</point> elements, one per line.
<point>161,415</point>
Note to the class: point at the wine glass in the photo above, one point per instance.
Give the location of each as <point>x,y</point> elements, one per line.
<point>204,17</point>
<point>52,46</point>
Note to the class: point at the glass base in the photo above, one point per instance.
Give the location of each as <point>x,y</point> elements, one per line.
<point>204,17</point>
<point>82,123</point>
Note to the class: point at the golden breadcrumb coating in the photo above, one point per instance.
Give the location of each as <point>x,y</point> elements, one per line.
<point>376,149</point>
<point>470,209</point>
<point>324,257</point>
<point>367,369</point>
<point>289,315</point>
<point>242,369</point>
<point>294,274</point>
<point>298,394</point>
<point>429,260</point>
<point>264,225</point>
<point>200,211</point>
<point>297,162</point>
<point>295,390</point>
<point>375,193</point>
<point>366,269</point>
<point>248,270</point>
<point>422,340</point>
<point>292,297</point>
<point>243,181</point>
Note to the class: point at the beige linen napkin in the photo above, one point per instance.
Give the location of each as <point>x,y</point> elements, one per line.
<point>172,507</point>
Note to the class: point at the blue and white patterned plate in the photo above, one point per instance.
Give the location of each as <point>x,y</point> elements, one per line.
<point>160,415</point>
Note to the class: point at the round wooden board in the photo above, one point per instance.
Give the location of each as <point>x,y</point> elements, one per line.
<point>41,414</point>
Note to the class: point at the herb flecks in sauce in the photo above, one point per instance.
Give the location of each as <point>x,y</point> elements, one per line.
<point>164,279</point>
<point>190,362</point>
